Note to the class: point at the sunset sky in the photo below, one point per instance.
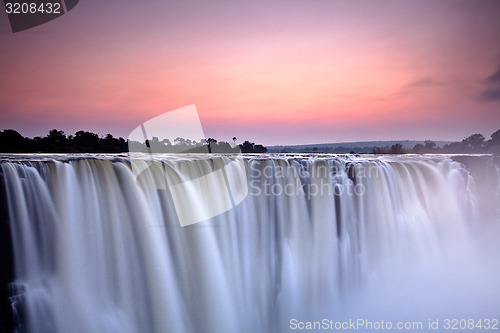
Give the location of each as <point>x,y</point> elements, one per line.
<point>270,71</point>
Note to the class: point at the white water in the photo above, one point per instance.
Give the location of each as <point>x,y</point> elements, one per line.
<point>95,252</point>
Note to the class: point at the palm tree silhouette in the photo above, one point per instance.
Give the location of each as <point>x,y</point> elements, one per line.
<point>209,141</point>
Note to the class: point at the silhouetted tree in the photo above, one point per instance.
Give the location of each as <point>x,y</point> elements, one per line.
<point>180,141</point>
<point>57,137</point>
<point>222,147</point>
<point>246,147</point>
<point>396,149</point>
<point>418,149</point>
<point>210,141</point>
<point>454,147</point>
<point>473,143</point>
<point>259,149</point>
<point>12,141</point>
<point>493,145</point>
<point>86,142</point>
<point>378,150</point>
<point>495,138</point>
<point>429,145</point>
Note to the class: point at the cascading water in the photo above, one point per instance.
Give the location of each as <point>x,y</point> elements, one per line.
<point>338,238</point>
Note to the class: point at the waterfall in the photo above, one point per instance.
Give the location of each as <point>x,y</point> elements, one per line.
<point>388,238</point>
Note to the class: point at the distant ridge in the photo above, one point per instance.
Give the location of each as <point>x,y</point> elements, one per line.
<point>347,147</point>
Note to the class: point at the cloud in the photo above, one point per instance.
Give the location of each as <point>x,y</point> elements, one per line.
<point>491,94</point>
<point>492,91</point>
<point>494,78</point>
<point>422,83</point>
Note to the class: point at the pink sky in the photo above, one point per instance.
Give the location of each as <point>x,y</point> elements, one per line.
<point>273,72</point>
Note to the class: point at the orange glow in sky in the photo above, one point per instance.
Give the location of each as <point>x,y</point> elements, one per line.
<point>275,72</point>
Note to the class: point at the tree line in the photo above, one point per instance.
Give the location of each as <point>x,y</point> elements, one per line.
<point>182,145</point>
<point>473,144</point>
<point>57,141</point>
